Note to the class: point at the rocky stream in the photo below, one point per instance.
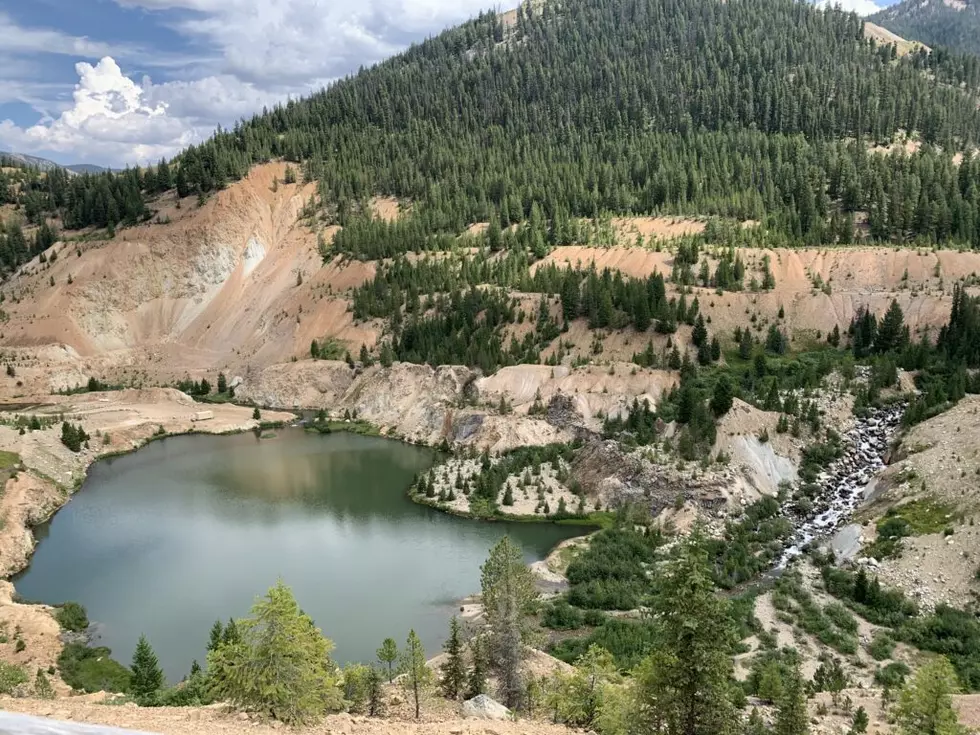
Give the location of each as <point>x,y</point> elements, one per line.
<point>844,484</point>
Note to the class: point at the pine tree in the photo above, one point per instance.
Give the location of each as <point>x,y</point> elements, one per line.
<point>476,684</point>
<point>147,676</point>
<point>891,331</point>
<point>418,676</point>
<point>699,335</point>
<point>454,669</point>
<point>859,723</point>
<point>387,655</point>
<point>791,713</point>
<point>231,634</point>
<point>280,665</point>
<point>745,345</point>
<point>508,592</point>
<point>925,706</point>
<point>685,684</point>
<point>216,635</point>
<point>375,701</point>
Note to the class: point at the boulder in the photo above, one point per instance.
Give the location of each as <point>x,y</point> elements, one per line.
<point>481,707</point>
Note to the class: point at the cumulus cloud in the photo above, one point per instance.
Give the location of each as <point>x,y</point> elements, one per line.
<point>249,54</point>
<point>114,120</point>
<point>861,7</point>
<point>285,43</point>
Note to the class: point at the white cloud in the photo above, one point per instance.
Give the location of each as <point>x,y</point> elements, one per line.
<point>250,54</point>
<point>17,39</point>
<point>114,120</point>
<point>861,7</point>
<point>284,43</point>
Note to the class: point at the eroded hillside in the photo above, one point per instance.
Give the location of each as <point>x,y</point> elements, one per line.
<point>239,285</point>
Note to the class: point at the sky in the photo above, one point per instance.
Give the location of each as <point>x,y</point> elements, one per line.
<point>117,82</point>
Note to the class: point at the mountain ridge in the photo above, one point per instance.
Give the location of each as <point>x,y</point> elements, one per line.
<point>44,164</point>
<point>953,24</point>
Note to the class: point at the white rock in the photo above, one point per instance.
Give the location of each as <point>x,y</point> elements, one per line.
<point>482,707</point>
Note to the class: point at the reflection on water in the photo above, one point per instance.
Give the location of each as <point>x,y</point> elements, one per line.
<point>190,529</point>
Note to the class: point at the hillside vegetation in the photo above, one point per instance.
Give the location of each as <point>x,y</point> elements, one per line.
<point>954,24</point>
<point>741,109</point>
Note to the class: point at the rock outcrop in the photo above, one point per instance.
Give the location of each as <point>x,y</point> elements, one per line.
<point>482,707</point>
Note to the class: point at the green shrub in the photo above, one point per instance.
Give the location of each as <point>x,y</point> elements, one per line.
<point>892,675</point>
<point>92,669</point>
<point>952,633</point>
<point>42,687</point>
<point>562,616</point>
<point>195,691</point>
<point>629,641</point>
<point>72,616</point>
<point>594,618</point>
<point>876,604</point>
<point>882,646</point>
<point>768,672</point>
<point>814,621</point>
<point>11,676</point>
<point>841,617</point>
<point>611,573</point>
<point>749,545</point>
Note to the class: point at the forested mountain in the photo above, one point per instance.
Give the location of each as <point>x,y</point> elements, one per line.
<point>954,24</point>
<point>751,109</point>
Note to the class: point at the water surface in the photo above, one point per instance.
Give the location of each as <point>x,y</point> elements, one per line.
<point>190,529</point>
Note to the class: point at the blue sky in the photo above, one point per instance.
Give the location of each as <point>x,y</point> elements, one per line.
<point>117,82</point>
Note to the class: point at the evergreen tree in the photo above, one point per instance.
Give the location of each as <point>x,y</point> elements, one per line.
<point>231,634</point>
<point>375,693</point>
<point>508,593</point>
<point>892,333</point>
<point>418,676</point>
<point>476,684</point>
<point>684,686</point>
<point>147,676</point>
<point>388,655</point>
<point>723,396</point>
<point>454,669</point>
<point>925,706</point>
<point>745,345</point>
<point>859,723</point>
<point>699,335</point>
<point>280,665</point>
<point>791,713</point>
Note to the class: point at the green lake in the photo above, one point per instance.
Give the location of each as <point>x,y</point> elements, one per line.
<point>190,529</point>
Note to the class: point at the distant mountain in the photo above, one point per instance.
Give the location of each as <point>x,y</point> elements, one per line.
<point>43,164</point>
<point>954,24</point>
<point>87,168</point>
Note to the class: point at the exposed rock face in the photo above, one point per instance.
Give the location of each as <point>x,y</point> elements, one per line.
<point>483,708</point>
<point>602,468</point>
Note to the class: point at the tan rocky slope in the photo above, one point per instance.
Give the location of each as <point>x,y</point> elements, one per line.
<point>238,284</point>
<point>236,281</point>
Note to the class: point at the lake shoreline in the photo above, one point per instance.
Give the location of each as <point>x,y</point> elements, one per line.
<point>47,474</point>
<point>320,512</point>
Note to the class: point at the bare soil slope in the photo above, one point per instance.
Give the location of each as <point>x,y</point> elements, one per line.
<point>238,280</point>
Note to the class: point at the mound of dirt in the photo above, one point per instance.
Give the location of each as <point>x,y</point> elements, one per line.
<point>939,461</point>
